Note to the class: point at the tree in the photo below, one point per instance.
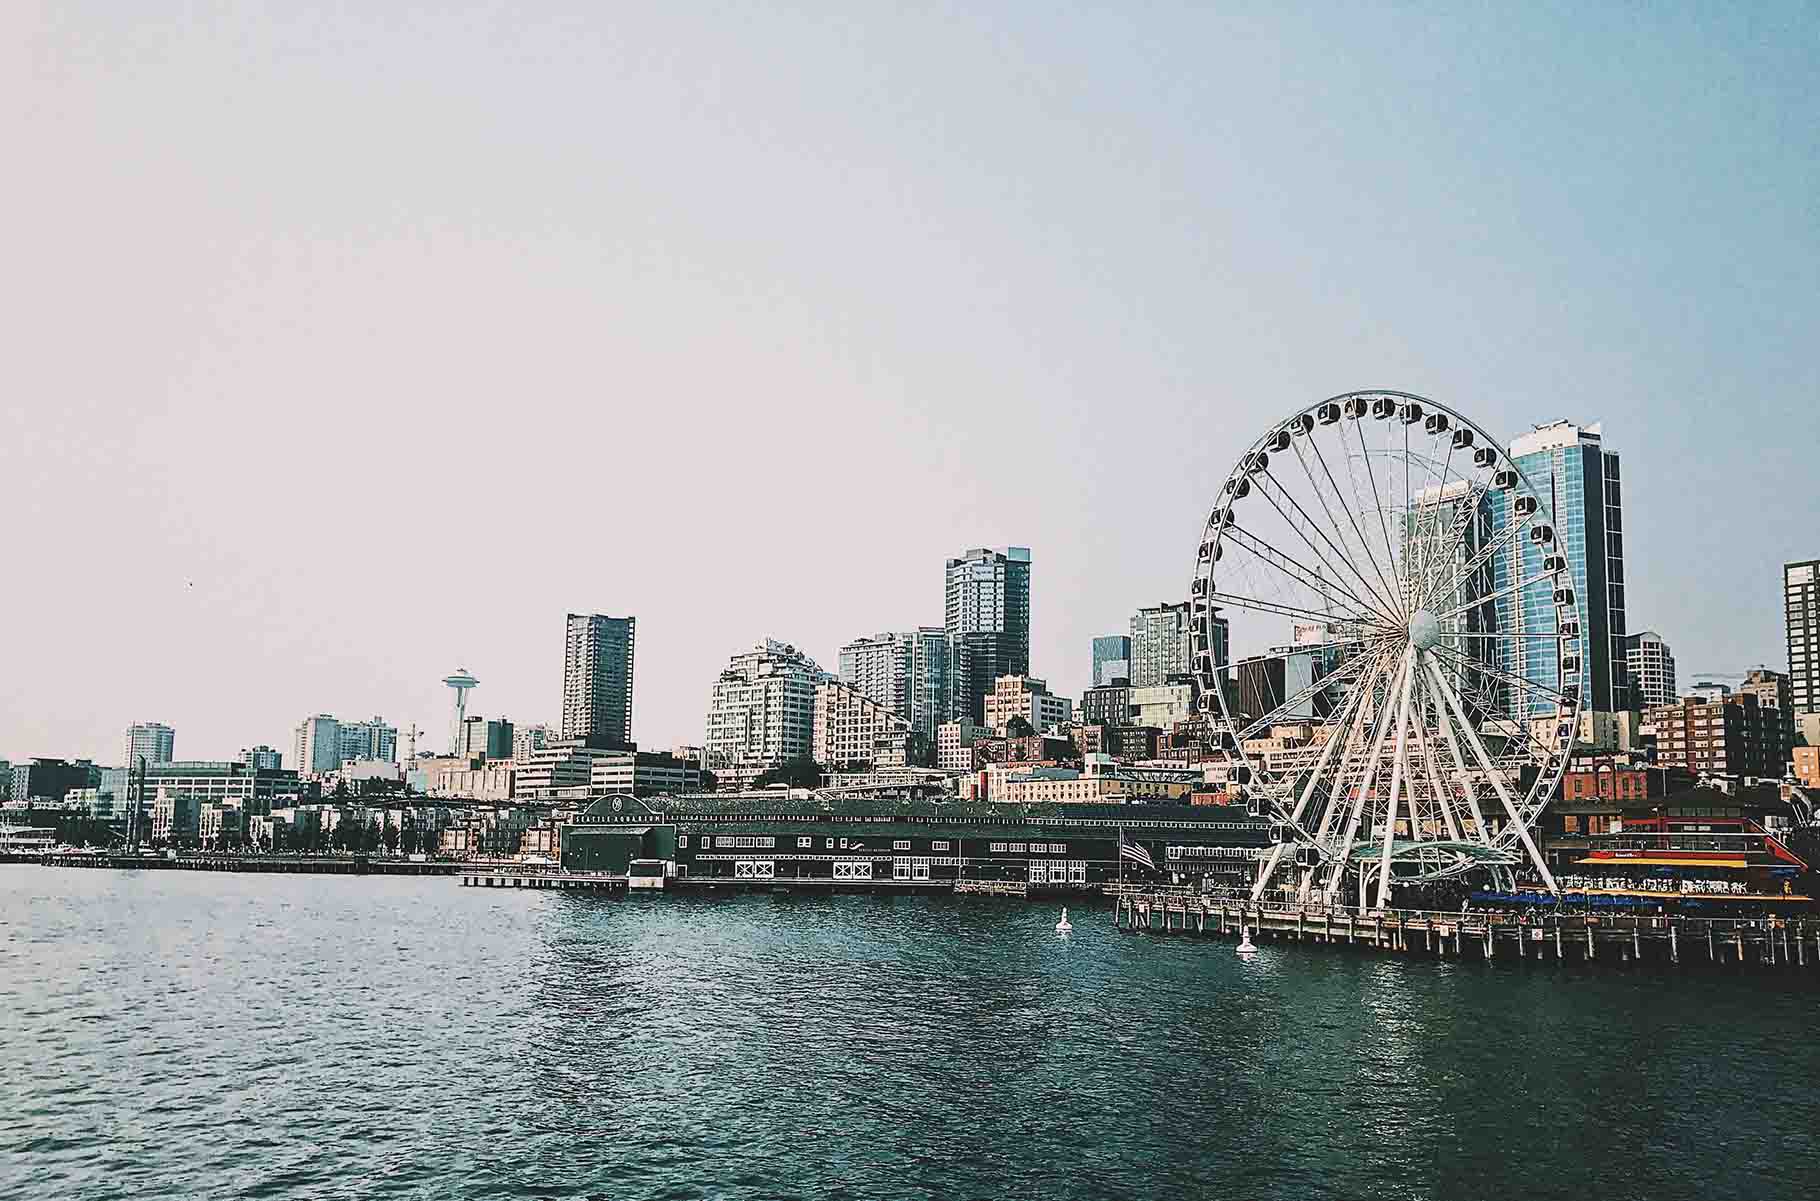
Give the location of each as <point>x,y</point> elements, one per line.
<point>1019,727</point>
<point>801,772</point>
<point>391,838</point>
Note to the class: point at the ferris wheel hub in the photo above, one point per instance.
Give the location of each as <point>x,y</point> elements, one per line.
<point>1424,630</point>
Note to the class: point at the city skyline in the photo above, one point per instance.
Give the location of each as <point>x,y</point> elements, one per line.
<point>942,282</point>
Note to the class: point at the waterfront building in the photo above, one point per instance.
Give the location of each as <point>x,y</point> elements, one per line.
<point>1161,644</point>
<point>220,780</point>
<point>47,779</point>
<point>529,738</point>
<point>1029,698</point>
<point>318,745</point>
<point>262,757</point>
<point>491,737</point>
<point>771,837</point>
<point>1801,612</point>
<point>174,816</point>
<point>1111,659</point>
<point>220,824</point>
<point>1570,467</point>
<point>762,711</point>
<point>360,741</point>
<point>642,773</point>
<point>477,778</point>
<point>597,670</point>
<point>154,740</point>
<point>848,725</point>
<point>563,764</point>
<point>1729,735</point>
<point>1650,666</point>
<point>954,744</point>
<point>987,620</point>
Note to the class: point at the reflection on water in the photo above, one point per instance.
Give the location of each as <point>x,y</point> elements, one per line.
<point>171,1033</point>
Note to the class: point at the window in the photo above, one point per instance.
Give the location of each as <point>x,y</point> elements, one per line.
<point>901,844</point>
<point>804,843</point>
<point>939,845</point>
<point>682,840</point>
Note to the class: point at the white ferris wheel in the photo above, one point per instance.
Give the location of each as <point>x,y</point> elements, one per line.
<point>1389,646</point>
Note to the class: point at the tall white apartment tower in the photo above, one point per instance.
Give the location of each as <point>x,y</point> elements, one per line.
<point>1801,605</point>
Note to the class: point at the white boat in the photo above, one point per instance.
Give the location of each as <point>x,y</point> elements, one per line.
<point>1246,946</point>
<point>1063,926</point>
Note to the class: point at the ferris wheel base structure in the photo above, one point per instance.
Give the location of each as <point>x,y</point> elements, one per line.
<point>1406,670</point>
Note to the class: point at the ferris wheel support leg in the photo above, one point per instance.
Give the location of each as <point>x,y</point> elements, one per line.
<point>1399,769</point>
<point>1459,759</point>
<point>1497,781</point>
<point>1301,805</point>
<point>1358,805</point>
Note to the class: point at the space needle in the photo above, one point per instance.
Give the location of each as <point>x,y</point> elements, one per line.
<point>461,682</point>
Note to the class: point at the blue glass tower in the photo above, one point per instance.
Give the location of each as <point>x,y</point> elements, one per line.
<point>1570,467</point>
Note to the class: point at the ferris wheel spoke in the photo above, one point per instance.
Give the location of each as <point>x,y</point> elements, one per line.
<point>1435,782</point>
<point>1487,554</point>
<point>1462,775</point>
<point>1355,736</point>
<point>1380,600</point>
<point>1433,571</point>
<point>1495,777</point>
<point>1397,772</point>
<point>1390,591</point>
<point>1498,673</point>
<point>1500,594</point>
<point>1367,780</point>
<point>1268,606</point>
<point>1324,684</point>
<point>1377,498</point>
<point>1334,592</point>
<point>1376,605</point>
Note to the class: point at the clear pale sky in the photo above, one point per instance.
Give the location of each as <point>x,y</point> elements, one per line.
<point>347,344</point>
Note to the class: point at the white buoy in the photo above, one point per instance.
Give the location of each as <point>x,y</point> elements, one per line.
<point>1063,926</point>
<point>1246,946</point>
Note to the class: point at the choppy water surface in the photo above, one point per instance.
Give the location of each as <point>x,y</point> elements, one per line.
<point>179,1034</point>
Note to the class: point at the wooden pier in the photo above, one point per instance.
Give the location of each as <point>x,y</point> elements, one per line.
<point>330,865</point>
<point>1773,941</point>
<point>540,877</point>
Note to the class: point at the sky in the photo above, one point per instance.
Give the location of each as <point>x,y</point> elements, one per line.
<point>350,344</point>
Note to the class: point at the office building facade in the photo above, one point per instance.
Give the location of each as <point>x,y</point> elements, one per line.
<point>987,620</point>
<point>849,726</point>
<point>1570,468</point>
<point>1801,612</point>
<point>154,740</point>
<point>762,711</point>
<point>1161,644</point>
<point>1650,666</point>
<point>1111,659</point>
<point>598,660</point>
<point>317,746</point>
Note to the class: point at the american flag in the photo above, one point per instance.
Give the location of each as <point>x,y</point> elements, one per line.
<point>1135,853</point>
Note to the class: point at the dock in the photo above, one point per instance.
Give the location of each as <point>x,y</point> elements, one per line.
<point>319,865</point>
<point>1771,941</point>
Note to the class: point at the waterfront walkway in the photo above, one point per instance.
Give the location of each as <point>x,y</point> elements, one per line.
<point>1792,942</point>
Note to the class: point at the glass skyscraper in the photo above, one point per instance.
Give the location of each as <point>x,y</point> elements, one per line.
<point>1571,469</point>
<point>1111,659</point>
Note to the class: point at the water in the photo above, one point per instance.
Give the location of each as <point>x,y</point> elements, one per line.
<point>184,1034</point>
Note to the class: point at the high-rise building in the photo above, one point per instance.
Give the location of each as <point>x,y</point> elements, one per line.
<point>1029,698</point>
<point>849,725</point>
<point>262,758</point>
<point>987,593</point>
<point>318,745</point>
<point>597,680</point>
<point>1728,735</point>
<point>1650,667</point>
<point>1161,644</point>
<point>1571,469</point>
<point>1775,695</point>
<point>907,672</point>
<point>529,738</point>
<point>1111,659</point>
<point>762,712</point>
<point>491,737</point>
<point>1801,607</point>
<point>364,741</point>
<point>152,739</point>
